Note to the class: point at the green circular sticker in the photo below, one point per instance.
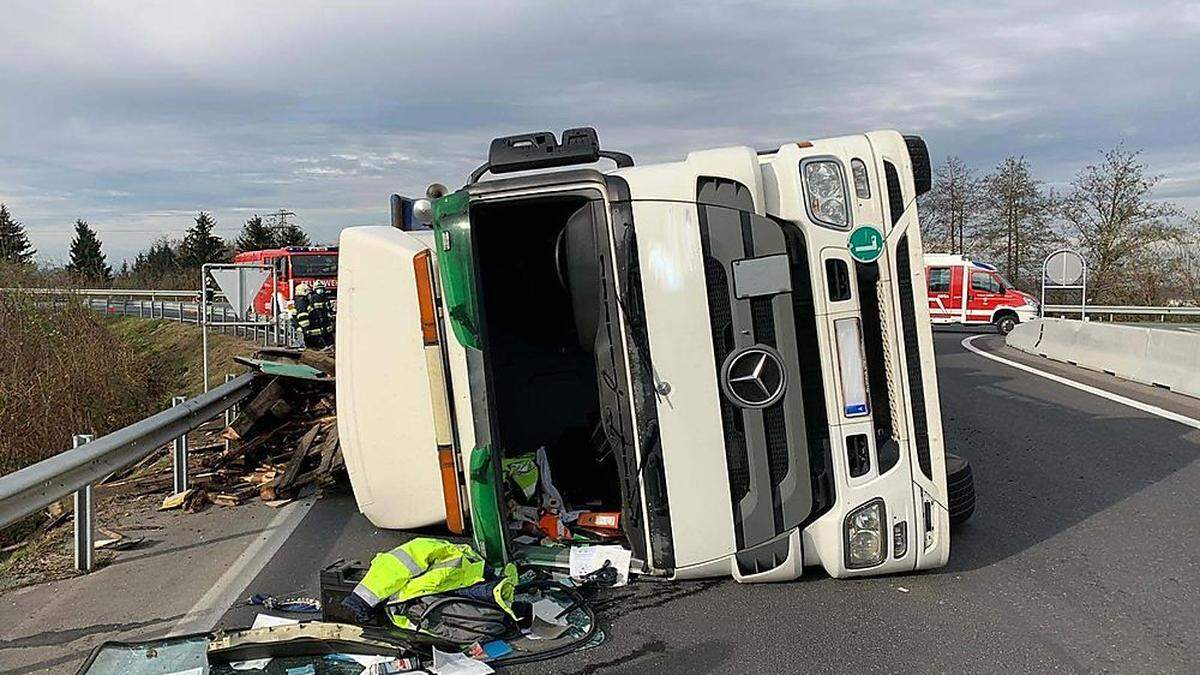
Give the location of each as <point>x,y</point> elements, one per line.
<point>866,244</point>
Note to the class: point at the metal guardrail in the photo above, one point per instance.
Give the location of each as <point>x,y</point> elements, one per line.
<point>1123,310</point>
<point>35,487</point>
<point>184,306</point>
<point>109,292</point>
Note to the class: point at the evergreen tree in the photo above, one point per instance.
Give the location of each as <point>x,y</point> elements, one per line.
<point>291,235</point>
<point>200,245</point>
<point>255,236</point>
<point>14,243</point>
<point>157,261</point>
<point>87,260</point>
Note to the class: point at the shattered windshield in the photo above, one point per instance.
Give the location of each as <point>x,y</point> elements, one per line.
<point>188,656</point>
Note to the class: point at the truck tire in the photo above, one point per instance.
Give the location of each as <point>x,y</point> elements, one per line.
<point>960,488</point>
<point>1005,323</point>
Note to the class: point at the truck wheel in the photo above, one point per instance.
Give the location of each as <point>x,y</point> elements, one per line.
<point>960,486</point>
<point>1006,323</point>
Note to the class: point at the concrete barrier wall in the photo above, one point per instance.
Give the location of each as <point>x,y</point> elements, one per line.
<point>1163,358</point>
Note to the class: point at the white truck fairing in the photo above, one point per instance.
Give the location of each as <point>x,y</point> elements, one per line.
<point>388,438</point>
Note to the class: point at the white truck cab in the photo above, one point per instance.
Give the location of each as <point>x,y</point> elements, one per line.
<point>732,351</point>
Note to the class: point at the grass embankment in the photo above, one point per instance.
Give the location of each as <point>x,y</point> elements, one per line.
<point>73,371</point>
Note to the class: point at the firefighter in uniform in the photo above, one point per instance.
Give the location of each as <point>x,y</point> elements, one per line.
<point>309,319</point>
<point>322,307</point>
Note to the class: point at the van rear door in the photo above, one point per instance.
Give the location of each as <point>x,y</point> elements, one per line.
<point>393,410</point>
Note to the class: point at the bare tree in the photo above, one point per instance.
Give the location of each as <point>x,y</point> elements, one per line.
<point>1184,262</point>
<point>949,209</point>
<point>1118,225</point>
<point>1016,219</point>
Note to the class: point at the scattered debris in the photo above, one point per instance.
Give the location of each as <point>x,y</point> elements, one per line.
<point>175,501</point>
<point>607,565</point>
<point>116,541</point>
<point>297,605</point>
<point>283,441</point>
<point>457,663</point>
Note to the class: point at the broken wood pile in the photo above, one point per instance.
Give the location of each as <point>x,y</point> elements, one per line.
<point>282,442</point>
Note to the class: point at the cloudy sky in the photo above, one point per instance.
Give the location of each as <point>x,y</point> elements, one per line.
<point>136,115</point>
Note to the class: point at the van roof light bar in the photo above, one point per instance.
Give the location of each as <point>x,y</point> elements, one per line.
<point>542,150</point>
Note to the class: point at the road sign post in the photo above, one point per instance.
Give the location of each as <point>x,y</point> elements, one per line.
<point>1065,269</point>
<point>239,284</point>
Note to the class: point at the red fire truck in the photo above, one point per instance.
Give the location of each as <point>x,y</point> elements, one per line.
<point>294,265</point>
<point>969,292</point>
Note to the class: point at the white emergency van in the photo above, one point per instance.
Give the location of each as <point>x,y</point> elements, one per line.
<point>731,351</point>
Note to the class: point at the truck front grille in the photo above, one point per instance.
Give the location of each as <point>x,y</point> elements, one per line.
<point>720,318</point>
<point>769,450</point>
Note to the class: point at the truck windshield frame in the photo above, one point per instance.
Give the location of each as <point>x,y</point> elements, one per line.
<point>314,265</point>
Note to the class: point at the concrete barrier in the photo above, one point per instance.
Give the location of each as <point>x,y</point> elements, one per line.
<point>1174,361</point>
<point>1163,358</point>
<point>1025,336</point>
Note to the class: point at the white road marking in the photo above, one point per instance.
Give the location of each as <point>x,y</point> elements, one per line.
<point>228,589</point>
<point>1123,400</point>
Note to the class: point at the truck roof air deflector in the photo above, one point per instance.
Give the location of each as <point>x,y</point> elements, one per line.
<point>542,150</point>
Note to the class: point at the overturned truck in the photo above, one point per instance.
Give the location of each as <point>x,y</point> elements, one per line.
<point>731,352</point>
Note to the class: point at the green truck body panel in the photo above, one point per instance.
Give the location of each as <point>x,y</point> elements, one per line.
<point>452,226</point>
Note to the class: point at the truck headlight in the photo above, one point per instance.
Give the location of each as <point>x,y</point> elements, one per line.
<point>825,188</point>
<point>865,535</point>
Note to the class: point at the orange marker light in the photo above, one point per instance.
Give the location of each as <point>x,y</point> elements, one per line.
<point>424,272</point>
<point>454,513</point>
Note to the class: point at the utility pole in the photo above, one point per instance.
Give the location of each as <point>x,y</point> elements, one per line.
<point>279,219</point>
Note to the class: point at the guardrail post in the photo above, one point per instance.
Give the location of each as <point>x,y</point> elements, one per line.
<point>84,517</point>
<point>179,453</point>
<point>231,412</point>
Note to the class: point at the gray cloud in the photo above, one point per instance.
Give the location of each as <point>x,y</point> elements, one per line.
<point>136,115</point>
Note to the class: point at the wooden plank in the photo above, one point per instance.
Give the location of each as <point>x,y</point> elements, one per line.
<point>328,447</point>
<point>260,406</point>
<point>293,470</point>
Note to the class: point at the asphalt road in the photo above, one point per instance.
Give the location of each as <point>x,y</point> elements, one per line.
<point>1082,555</point>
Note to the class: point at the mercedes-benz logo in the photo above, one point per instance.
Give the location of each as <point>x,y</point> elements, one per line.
<point>754,377</point>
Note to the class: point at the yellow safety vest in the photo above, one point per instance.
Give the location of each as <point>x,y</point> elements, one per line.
<point>426,566</point>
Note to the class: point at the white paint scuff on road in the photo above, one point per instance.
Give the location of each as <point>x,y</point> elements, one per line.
<point>1116,398</point>
<point>228,589</point>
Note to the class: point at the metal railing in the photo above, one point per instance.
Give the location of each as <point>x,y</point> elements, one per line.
<point>184,306</point>
<point>75,471</point>
<point>1112,311</point>
<point>146,303</point>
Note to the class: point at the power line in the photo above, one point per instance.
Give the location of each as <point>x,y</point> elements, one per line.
<point>280,219</point>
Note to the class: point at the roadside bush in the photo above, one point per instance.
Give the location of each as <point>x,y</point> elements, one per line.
<point>62,372</point>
